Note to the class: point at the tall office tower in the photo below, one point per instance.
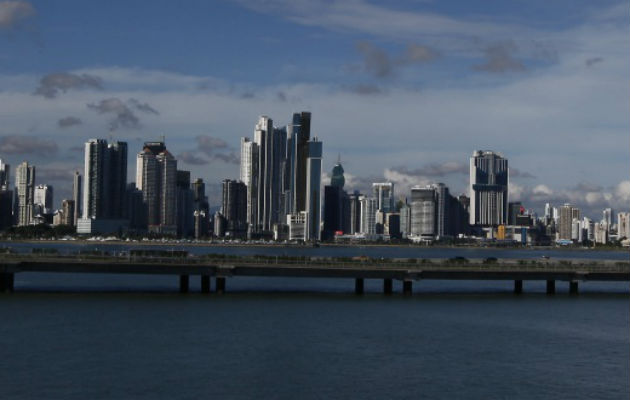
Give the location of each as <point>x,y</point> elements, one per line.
<point>76,197</point>
<point>5,170</point>
<point>43,199</point>
<point>443,217</point>
<point>279,155</point>
<point>300,134</point>
<point>25,188</point>
<point>355,213</point>
<point>156,176</point>
<point>117,179</point>
<point>623,225</point>
<point>368,215</point>
<point>514,208</point>
<point>488,189</point>
<point>567,213</point>
<point>103,199</point>
<point>384,195</point>
<point>200,201</point>
<point>405,221</point>
<point>249,176</point>
<point>263,137</point>
<point>67,210</point>
<point>234,208</point>
<point>6,209</point>
<point>607,217</point>
<point>548,213</point>
<point>167,193</point>
<point>336,204</point>
<point>423,213</point>
<point>185,210</point>
<point>313,189</point>
<point>135,210</point>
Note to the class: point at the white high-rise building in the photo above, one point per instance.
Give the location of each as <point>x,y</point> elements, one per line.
<point>423,213</point>
<point>488,189</point>
<point>25,188</point>
<point>623,225</point>
<point>249,176</point>
<point>384,195</point>
<point>368,215</point>
<point>43,199</point>
<point>76,196</point>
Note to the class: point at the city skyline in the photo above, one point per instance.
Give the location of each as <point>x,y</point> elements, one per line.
<point>405,103</point>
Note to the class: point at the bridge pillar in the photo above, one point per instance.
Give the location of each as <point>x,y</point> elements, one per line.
<point>183,283</point>
<point>388,286</point>
<point>358,286</point>
<point>6,282</point>
<point>573,287</point>
<point>518,286</point>
<point>551,287</point>
<point>407,287</point>
<point>220,284</point>
<point>205,283</point>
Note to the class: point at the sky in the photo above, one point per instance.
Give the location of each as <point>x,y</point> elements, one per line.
<point>402,91</point>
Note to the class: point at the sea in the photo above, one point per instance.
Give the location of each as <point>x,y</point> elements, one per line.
<point>98,336</point>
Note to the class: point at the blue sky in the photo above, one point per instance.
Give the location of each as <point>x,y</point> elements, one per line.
<point>403,90</point>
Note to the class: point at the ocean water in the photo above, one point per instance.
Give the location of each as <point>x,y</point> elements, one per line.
<point>69,336</point>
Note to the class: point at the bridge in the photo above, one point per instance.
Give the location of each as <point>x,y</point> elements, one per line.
<point>407,271</point>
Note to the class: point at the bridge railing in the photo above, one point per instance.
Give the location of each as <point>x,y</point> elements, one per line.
<point>400,264</point>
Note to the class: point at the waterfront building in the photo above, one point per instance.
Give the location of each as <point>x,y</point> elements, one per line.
<point>384,195</point>
<point>76,197</point>
<point>623,225</point>
<point>297,226</point>
<point>156,177</point>
<point>43,199</point>
<point>25,190</point>
<point>567,214</point>
<point>368,216</point>
<point>488,189</point>
<point>249,176</point>
<point>185,211</point>
<point>6,209</point>
<point>355,212</point>
<point>234,208</point>
<point>5,170</point>
<point>405,221</point>
<point>104,187</point>
<point>313,189</point>
<point>423,213</point>
<point>67,212</point>
<point>515,209</point>
<point>607,218</point>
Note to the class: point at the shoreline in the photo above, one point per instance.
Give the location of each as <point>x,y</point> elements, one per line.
<point>294,245</point>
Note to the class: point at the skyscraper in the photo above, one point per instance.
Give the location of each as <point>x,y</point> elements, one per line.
<point>43,199</point>
<point>423,213</point>
<point>185,211</point>
<point>156,176</point>
<point>76,197</point>
<point>488,189</point>
<point>384,195</point>
<point>5,170</point>
<point>368,216</point>
<point>25,189</point>
<point>249,176</point>
<point>103,199</point>
<point>313,189</point>
<point>300,133</point>
<point>234,207</point>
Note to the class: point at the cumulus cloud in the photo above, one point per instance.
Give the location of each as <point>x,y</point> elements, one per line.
<point>68,122</point>
<point>517,173</point>
<point>209,149</point>
<point>500,58</point>
<point>190,157</point>
<point>123,114</point>
<point>12,13</point>
<point>435,169</point>
<point>52,84</point>
<point>542,190</point>
<point>378,62</point>
<point>32,145</point>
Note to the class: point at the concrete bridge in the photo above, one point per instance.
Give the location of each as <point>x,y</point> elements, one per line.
<point>407,271</point>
